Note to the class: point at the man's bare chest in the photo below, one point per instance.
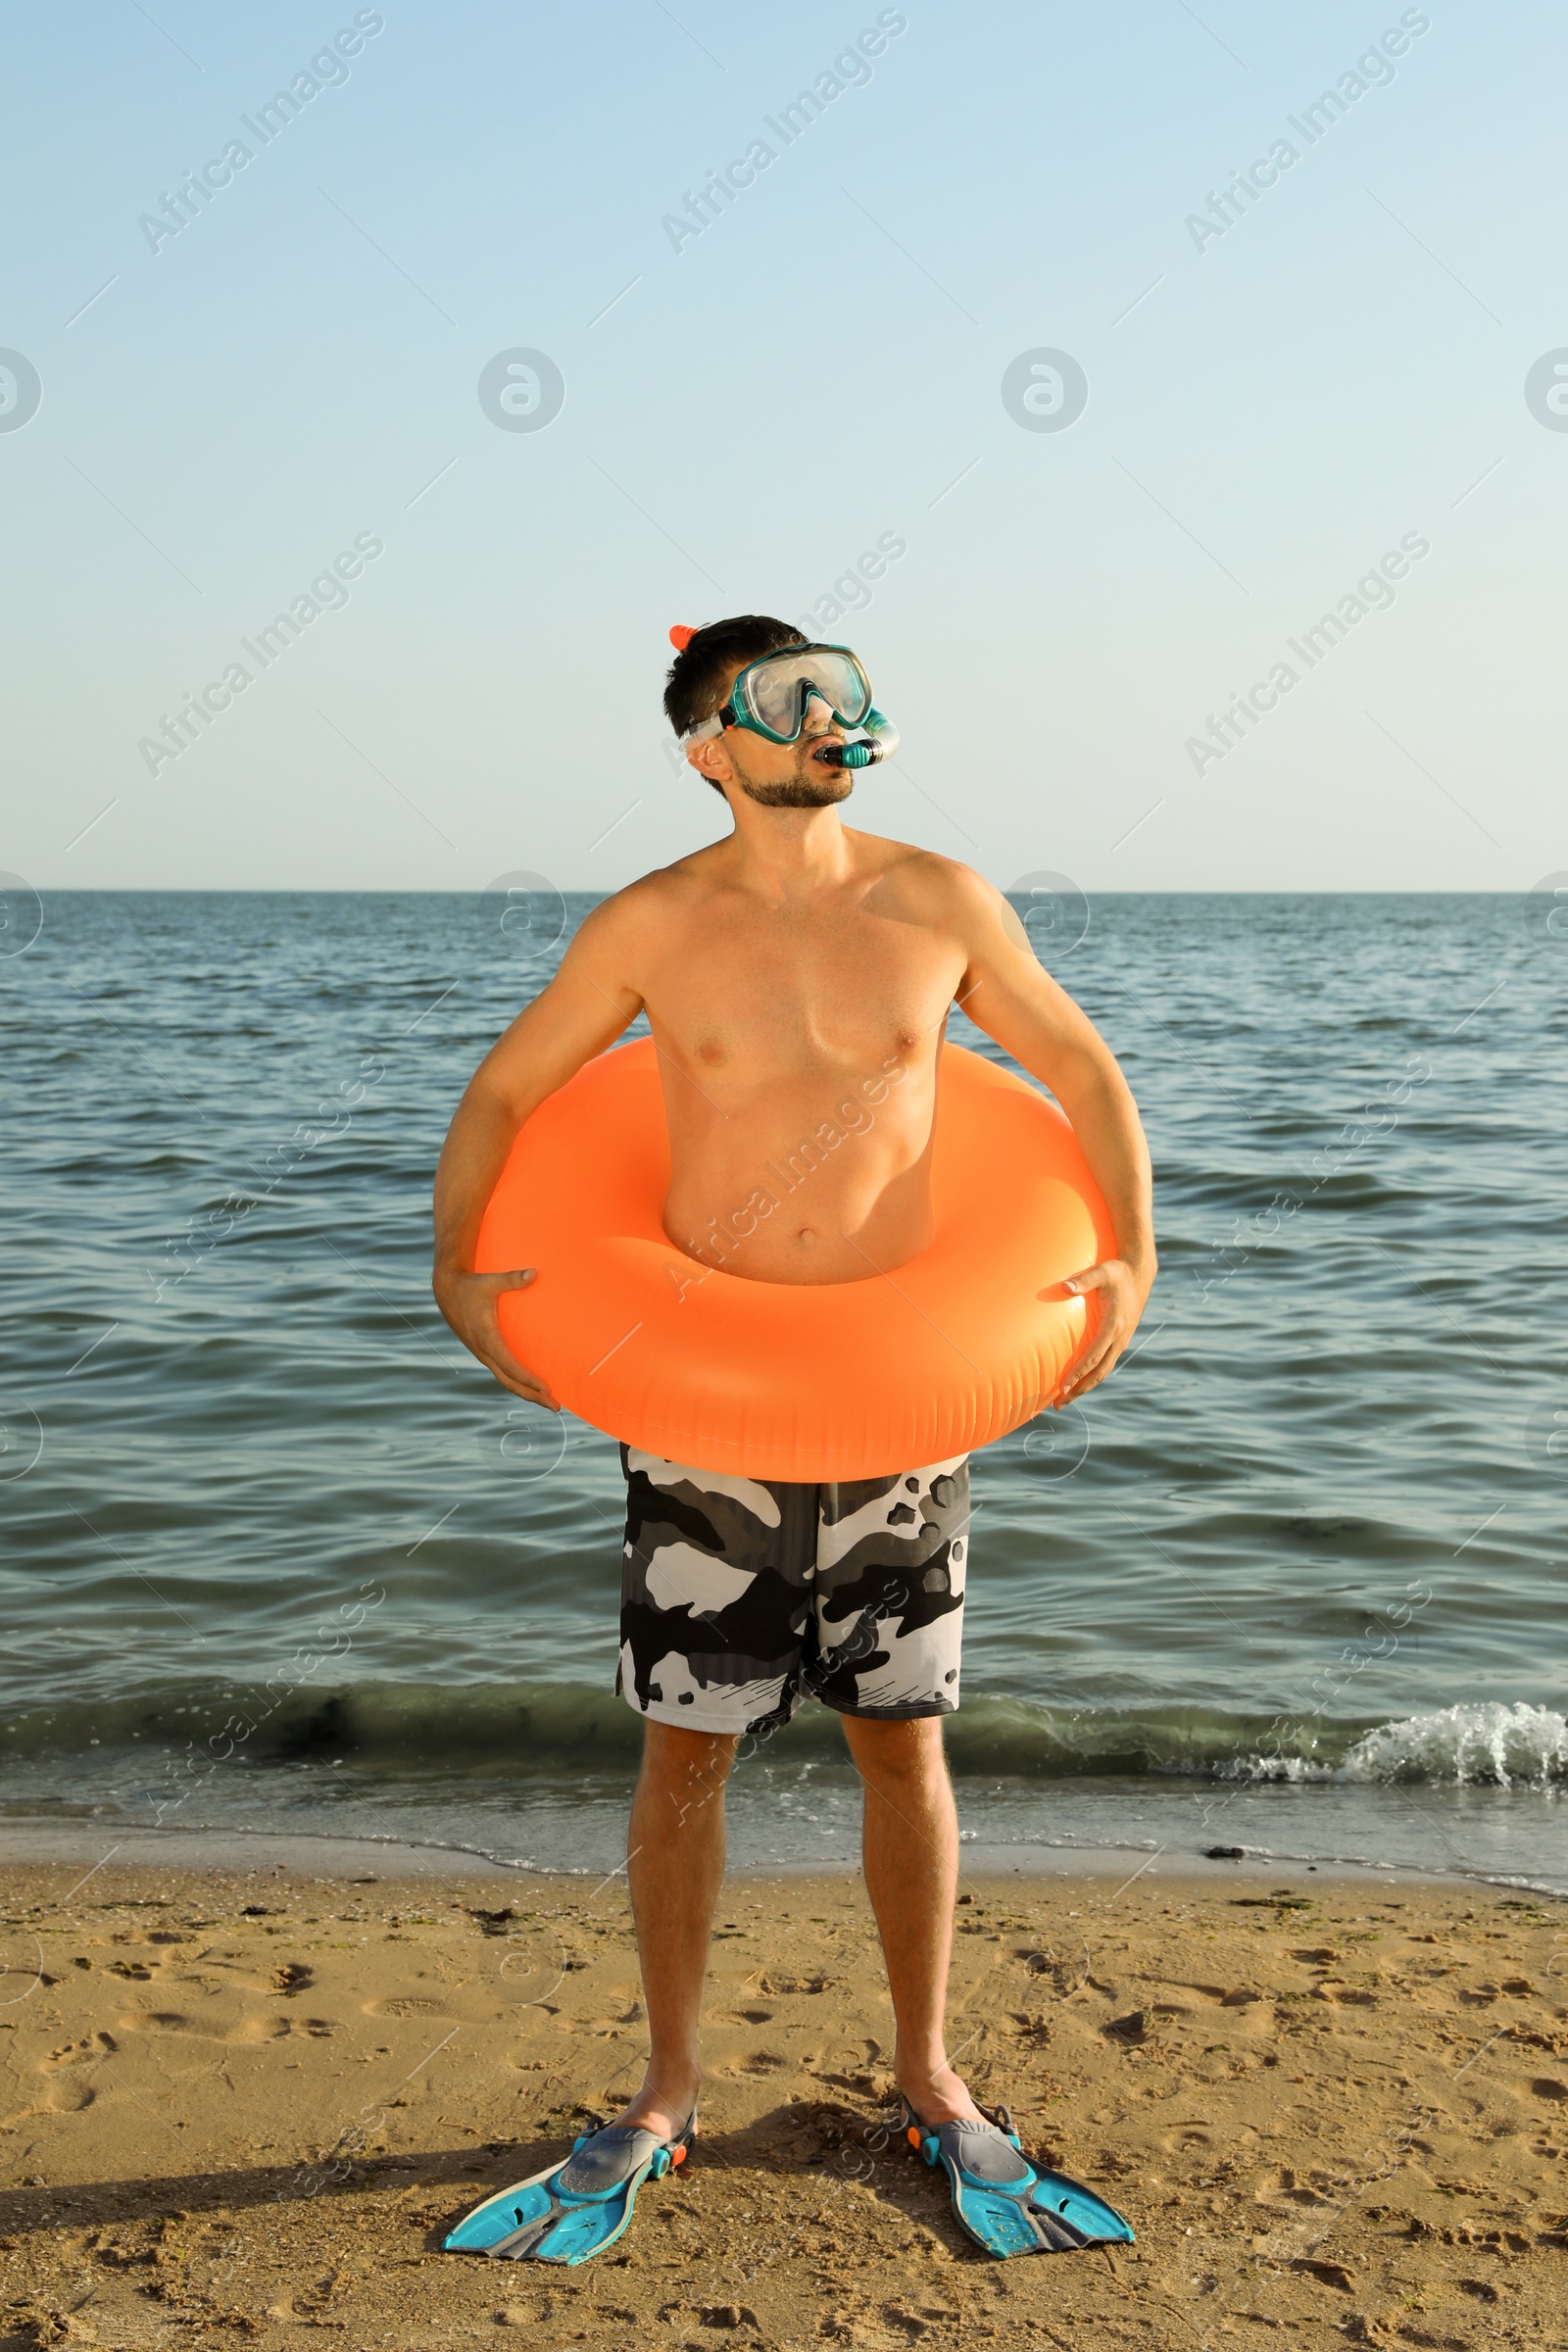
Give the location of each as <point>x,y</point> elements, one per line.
<point>774,992</point>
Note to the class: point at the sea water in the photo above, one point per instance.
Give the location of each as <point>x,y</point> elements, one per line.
<point>279,1555</point>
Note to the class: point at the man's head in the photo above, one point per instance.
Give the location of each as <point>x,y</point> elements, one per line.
<point>773,776</point>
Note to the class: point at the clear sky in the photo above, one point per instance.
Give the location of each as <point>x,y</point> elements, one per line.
<point>1313,396</point>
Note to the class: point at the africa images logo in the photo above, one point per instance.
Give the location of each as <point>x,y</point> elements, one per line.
<point>521,390</point>
<point>1373,69</point>
<point>1546,390</point>
<point>850,70</point>
<point>1372,593</point>
<point>328,70</point>
<point>327,593</point>
<point>21,391</point>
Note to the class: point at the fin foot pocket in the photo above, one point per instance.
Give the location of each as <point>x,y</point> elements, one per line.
<point>571,2211</point>
<point>1008,2205</point>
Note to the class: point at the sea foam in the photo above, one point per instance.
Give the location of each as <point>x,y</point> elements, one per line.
<point>1505,1745</point>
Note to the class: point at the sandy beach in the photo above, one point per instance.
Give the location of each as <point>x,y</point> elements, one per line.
<point>243,2106</point>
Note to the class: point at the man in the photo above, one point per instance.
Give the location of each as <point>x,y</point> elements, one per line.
<point>774,966</point>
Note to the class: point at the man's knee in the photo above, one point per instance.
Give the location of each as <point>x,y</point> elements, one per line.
<point>687,1767</point>
<point>886,1753</point>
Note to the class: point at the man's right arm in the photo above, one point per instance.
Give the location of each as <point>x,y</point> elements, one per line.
<point>580,1013</point>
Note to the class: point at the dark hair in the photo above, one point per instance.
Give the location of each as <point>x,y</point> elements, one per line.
<point>696,676</point>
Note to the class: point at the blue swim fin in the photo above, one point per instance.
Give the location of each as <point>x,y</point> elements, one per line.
<point>1008,2205</point>
<point>572,2210</point>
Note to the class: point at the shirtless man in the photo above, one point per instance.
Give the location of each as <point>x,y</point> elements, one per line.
<point>776,969</point>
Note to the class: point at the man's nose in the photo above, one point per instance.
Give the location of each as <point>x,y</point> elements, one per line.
<point>819,715</point>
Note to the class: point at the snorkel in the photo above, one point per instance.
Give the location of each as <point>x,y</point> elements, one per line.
<point>883,743</point>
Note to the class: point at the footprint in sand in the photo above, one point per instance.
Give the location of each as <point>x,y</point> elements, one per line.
<point>226,2019</point>
<point>254,2026</point>
<point>66,2097</point>
<point>66,2092</point>
<point>159,2020</point>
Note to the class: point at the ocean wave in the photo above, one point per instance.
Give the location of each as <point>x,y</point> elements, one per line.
<point>1481,1746</point>
<point>1506,1746</point>
<point>402,1730</point>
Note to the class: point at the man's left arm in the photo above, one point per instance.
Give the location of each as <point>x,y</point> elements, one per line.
<point>1005,992</point>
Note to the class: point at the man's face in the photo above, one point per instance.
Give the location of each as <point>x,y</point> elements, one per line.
<point>786,775</point>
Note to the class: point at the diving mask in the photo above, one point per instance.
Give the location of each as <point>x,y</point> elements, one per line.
<point>770,696</point>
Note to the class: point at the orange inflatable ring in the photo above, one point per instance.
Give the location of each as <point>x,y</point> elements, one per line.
<point>812,1380</point>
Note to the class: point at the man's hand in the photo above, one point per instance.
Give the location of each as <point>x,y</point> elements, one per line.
<point>1124,1289</point>
<point>469,1303</point>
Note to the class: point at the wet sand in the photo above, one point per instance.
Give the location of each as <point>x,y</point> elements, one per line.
<point>243,2106</point>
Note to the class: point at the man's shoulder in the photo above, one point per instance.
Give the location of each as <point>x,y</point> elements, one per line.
<point>641,906</point>
<point>922,884</point>
<point>922,879</point>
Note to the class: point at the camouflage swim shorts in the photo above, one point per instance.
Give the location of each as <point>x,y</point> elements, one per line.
<point>740,1597</point>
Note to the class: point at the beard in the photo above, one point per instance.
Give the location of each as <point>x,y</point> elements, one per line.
<point>811,786</point>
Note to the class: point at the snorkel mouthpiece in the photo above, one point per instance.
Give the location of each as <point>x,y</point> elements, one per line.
<point>883,742</point>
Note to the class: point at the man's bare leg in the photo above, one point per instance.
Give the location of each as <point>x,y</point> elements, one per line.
<point>909,1844</point>
<point>675,1849</point>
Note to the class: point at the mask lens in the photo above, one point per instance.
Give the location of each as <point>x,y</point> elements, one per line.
<point>842,686</point>
<point>777,690</point>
